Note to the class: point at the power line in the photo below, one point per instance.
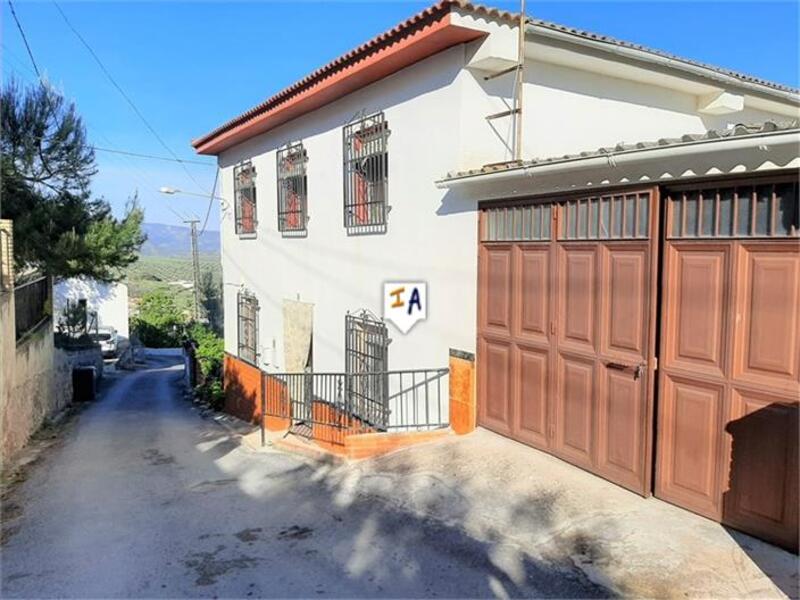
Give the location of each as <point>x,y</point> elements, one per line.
<point>122,92</point>
<point>24,39</point>
<point>154,157</point>
<point>210,202</point>
<point>15,61</point>
<point>9,54</point>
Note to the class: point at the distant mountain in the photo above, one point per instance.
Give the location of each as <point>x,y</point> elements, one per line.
<point>173,240</point>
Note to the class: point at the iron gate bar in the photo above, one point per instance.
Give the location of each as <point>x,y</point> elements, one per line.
<point>292,396</point>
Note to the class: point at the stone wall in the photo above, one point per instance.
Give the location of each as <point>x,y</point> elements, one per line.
<point>35,377</point>
<point>38,386</point>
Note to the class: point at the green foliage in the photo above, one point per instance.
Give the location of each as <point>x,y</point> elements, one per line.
<point>151,273</point>
<point>211,299</point>
<point>73,319</point>
<point>46,166</point>
<point>44,139</point>
<point>159,323</point>
<point>210,350</point>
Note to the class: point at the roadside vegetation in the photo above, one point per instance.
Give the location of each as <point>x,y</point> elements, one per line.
<point>173,274</point>
<point>160,323</point>
<point>209,353</point>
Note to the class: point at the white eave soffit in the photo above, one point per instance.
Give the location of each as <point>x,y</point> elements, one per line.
<point>712,96</point>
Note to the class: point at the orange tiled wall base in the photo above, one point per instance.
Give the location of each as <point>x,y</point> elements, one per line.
<point>277,398</point>
<point>351,438</point>
<point>463,402</point>
<point>242,384</point>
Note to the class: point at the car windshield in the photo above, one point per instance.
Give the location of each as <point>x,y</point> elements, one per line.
<point>101,337</point>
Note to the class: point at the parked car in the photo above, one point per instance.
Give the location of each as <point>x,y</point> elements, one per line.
<point>107,338</point>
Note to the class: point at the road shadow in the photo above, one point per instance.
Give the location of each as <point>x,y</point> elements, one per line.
<point>184,511</point>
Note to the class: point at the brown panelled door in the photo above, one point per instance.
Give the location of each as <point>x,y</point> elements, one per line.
<point>567,329</point>
<point>730,357</point>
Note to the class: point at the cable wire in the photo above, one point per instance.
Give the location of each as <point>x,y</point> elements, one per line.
<point>154,157</point>
<point>24,39</point>
<point>122,92</point>
<point>210,201</point>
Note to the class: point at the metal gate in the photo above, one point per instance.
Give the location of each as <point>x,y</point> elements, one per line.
<point>366,363</point>
<point>567,329</point>
<point>730,356</point>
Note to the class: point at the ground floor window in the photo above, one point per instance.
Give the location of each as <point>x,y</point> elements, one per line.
<point>248,327</point>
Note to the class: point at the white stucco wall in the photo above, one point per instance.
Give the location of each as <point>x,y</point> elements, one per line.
<point>427,238</point>
<point>110,300</point>
<point>436,112</point>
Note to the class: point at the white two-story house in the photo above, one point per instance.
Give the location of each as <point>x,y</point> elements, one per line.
<point>611,240</point>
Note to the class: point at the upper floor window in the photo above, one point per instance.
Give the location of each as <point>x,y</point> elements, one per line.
<point>292,189</point>
<point>366,174</point>
<point>244,192</point>
<point>247,316</point>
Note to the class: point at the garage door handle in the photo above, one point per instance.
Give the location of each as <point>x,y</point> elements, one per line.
<point>635,369</point>
<point>619,366</point>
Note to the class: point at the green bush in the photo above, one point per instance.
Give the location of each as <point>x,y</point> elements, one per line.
<point>210,351</point>
<point>159,323</point>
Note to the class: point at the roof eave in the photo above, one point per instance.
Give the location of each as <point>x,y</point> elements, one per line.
<point>670,63</point>
<point>614,159</point>
<point>423,35</point>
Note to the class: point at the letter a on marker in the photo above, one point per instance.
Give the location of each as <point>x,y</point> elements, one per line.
<point>414,300</point>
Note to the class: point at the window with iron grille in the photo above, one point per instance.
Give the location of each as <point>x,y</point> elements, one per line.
<point>248,327</point>
<point>244,192</point>
<point>366,174</point>
<point>292,189</point>
<point>770,210</point>
<point>613,217</point>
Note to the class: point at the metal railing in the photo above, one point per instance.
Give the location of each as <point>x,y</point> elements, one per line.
<point>6,261</point>
<point>404,400</point>
<point>31,305</point>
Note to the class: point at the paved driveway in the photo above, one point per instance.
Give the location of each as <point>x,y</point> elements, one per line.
<point>535,509</point>
<point>144,498</point>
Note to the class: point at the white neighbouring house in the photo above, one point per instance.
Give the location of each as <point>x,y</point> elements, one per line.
<point>617,286</point>
<point>108,300</point>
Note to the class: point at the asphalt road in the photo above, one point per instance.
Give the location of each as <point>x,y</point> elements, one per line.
<point>146,498</point>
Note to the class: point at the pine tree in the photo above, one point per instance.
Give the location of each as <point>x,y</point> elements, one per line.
<point>47,166</point>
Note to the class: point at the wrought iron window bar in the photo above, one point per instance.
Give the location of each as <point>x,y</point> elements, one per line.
<point>247,318</point>
<point>366,174</point>
<point>292,189</point>
<point>245,203</point>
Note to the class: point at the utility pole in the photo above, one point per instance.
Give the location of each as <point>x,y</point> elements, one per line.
<point>195,268</point>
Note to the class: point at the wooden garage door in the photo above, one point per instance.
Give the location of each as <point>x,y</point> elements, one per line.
<point>566,330</point>
<point>730,357</point>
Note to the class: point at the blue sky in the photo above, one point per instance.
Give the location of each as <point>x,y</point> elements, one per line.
<point>191,66</point>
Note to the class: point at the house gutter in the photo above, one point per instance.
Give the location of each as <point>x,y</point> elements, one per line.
<point>764,141</point>
<point>662,61</point>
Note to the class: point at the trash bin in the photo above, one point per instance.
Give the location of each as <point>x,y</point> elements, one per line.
<point>83,384</point>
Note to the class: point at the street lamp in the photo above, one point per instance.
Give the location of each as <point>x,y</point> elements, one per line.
<point>171,191</point>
